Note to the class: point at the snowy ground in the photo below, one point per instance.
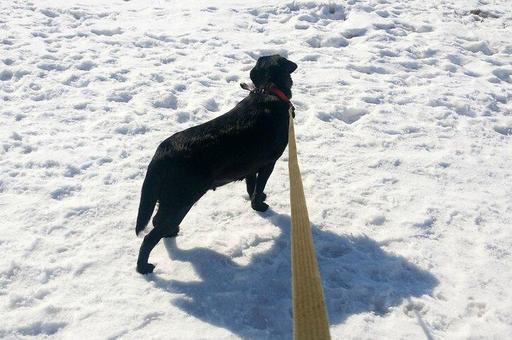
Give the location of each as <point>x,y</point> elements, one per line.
<point>404,124</point>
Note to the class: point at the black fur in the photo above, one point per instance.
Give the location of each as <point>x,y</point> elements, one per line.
<point>243,143</point>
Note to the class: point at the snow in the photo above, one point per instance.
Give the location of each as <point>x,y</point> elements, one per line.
<point>403,121</point>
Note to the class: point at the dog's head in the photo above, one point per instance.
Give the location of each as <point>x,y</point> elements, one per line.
<point>275,70</point>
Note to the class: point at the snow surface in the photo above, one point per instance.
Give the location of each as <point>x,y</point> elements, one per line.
<point>404,127</point>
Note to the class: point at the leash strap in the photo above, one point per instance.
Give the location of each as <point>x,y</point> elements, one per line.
<point>310,320</point>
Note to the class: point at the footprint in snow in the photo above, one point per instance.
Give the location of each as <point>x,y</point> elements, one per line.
<point>372,99</point>
<point>8,61</point>
<point>168,101</point>
<point>368,69</point>
<point>146,43</point>
<point>50,13</point>
<point>86,65</point>
<point>211,105</point>
<point>479,47</point>
<point>120,97</point>
<point>347,115</point>
<point>6,75</point>
<point>39,34</point>
<point>311,57</point>
<point>332,41</point>
<point>504,130</point>
<point>52,66</point>
<point>130,130</point>
<point>40,329</point>
<point>76,81</point>
<point>350,33</point>
<point>64,192</point>
<point>107,31</point>
<point>503,74</point>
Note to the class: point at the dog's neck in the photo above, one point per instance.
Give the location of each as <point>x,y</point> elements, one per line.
<point>276,91</point>
<point>280,94</point>
<point>267,88</point>
<point>286,90</point>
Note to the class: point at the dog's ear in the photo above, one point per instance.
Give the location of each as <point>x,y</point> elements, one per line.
<point>289,66</point>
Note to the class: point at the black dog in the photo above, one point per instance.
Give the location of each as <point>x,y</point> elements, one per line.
<point>243,143</point>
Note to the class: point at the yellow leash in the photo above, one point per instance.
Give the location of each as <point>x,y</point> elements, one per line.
<point>310,321</point>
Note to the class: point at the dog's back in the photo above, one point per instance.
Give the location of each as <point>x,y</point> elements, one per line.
<point>253,133</point>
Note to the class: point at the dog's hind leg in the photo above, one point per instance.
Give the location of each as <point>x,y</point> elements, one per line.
<point>166,222</point>
<point>170,218</point>
<point>258,197</point>
<point>150,241</point>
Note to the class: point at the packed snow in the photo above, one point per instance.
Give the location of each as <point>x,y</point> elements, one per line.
<point>404,131</point>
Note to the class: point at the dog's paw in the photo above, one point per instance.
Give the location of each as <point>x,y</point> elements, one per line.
<point>145,268</point>
<point>259,206</point>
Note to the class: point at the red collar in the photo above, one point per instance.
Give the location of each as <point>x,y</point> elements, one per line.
<point>280,94</point>
<point>273,90</point>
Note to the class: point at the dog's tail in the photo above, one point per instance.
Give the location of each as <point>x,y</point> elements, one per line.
<point>148,199</point>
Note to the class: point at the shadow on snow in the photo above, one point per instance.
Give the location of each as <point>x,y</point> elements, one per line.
<point>254,300</point>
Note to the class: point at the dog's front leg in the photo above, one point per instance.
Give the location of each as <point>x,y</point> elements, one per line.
<point>250,182</point>
<point>258,197</point>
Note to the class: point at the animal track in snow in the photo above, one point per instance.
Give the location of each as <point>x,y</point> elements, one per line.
<point>120,97</point>
<point>64,191</point>
<point>211,105</point>
<point>368,69</point>
<point>8,61</point>
<point>332,41</point>
<point>504,130</point>
<point>503,74</point>
<point>345,114</point>
<point>6,75</point>
<point>52,66</point>
<point>482,47</point>
<point>86,65</point>
<point>131,130</point>
<point>372,99</point>
<point>168,102</point>
<point>41,328</point>
<point>350,33</point>
<point>75,80</point>
<point>146,43</point>
<point>107,31</point>
<point>49,12</point>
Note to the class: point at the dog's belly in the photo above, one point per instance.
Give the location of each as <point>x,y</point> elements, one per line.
<point>220,183</point>
<point>231,175</point>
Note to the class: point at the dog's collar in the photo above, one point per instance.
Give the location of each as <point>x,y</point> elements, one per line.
<point>271,90</point>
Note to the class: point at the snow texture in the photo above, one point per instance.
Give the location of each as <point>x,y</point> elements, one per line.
<point>404,131</point>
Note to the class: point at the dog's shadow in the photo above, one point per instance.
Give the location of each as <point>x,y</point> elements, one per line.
<point>254,300</point>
